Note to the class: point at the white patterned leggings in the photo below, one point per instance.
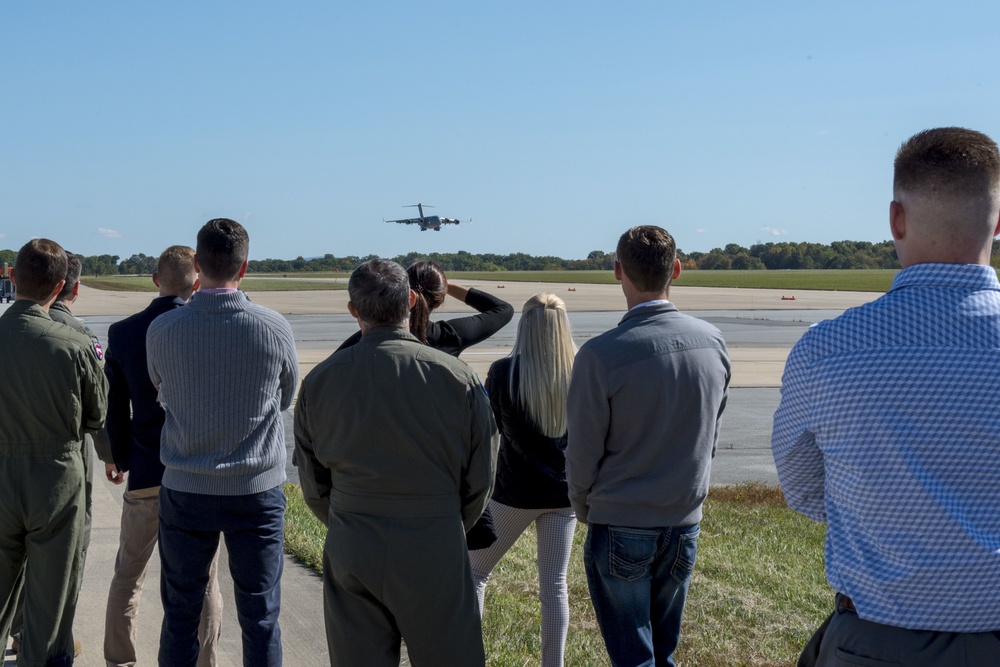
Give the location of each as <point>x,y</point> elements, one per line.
<point>554,530</point>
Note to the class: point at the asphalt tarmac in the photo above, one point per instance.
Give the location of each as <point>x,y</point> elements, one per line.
<point>744,441</point>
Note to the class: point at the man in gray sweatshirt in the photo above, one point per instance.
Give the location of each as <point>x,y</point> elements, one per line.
<point>226,369</point>
<point>644,407</point>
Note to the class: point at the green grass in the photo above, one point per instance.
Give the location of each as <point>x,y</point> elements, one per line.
<point>579,277</point>
<point>854,280</point>
<point>757,594</point>
<point>860,280</point>
<point>250,284</point>
<point>304,534</point>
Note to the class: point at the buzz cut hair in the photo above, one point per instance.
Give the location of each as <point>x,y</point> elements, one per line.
<point>175,269</point>
<point>949,162</point>
<point>646,254</point>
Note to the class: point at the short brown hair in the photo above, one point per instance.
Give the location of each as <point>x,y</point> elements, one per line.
<point>647,255</point>
<point>949,162</point>
<point>74,267</point>
<point>39,267</point>
<point>380,292</point>
<point>223,246</point>
<point>175,269</point>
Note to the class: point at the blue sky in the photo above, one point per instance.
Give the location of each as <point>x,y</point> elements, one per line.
<point>124,126</point>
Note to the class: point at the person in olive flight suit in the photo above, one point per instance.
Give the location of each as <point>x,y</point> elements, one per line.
<point>53,392</point>
<point>60,312</point>
<point>396,447</point>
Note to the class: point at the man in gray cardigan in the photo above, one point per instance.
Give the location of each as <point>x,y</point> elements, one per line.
<point>644,407</point>
<point>226,369</point>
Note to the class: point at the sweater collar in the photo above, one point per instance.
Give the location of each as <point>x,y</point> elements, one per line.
<point>226,301</point>
<point>649,310</point>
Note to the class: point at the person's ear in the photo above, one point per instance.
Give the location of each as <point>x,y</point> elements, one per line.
<point>677,269</point>
<point>618,270</point>
<point>156,278</point>
<point>897,220</point>
<point>352,310</point>
<point>413,298</point>
<point>243,269</point>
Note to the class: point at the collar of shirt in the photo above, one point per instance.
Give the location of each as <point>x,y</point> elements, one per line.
<point>654,302</point>
<point>964,276</point>
<point>218,290</point>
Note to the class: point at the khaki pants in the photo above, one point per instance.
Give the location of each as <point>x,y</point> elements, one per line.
<point>138,538</point>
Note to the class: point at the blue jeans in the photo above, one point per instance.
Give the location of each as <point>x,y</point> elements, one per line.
<point>638,580</point>
<point>253,527</point>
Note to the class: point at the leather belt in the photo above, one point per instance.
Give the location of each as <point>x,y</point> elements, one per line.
<point>846,602</point>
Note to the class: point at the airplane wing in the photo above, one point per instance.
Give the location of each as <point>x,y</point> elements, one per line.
<point>406,221</point>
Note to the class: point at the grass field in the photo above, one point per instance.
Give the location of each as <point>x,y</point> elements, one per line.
<point>250,283</point>
<point>757,594</point>
<point>861,280</point>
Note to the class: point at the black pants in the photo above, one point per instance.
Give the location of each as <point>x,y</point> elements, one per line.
<point>846,640</point>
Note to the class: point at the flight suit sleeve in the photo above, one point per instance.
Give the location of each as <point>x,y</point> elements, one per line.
<point>314,477</point>
<point>93,392</point>
<point>478,477</point>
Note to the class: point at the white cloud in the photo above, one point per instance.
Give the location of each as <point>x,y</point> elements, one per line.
<point>3,236</point>
<point>701,230</point>
<point>108,233</point>
<point>774,232</point>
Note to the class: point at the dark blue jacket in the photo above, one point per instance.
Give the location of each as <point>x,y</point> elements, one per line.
<point>135,417</point>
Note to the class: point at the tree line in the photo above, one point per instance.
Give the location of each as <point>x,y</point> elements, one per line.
<point>759,257</point>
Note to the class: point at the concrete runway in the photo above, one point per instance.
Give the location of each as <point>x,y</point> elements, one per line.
<point>760,327</point>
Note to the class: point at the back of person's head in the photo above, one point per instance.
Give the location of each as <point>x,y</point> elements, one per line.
<point>175,270</point>
<point>39,267</point>
<point>948,162</point>
<point>948,181</point>
<point>223,246</point>
<point>647,255</point>
<point>74,267</point>
<point>544,352</point>
<point>380,293</point>
<point>429,283</point>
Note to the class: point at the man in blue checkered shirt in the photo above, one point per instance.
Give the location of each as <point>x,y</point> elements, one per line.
<point>889,427</point>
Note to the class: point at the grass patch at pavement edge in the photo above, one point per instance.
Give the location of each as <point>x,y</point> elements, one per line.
<point>757,594</point>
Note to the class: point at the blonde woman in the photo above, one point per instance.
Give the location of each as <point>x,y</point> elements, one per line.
<point>528,393</point>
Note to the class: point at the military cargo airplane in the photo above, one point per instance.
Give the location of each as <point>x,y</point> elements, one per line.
<point>426,222</point>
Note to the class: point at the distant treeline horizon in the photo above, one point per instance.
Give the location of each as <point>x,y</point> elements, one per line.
<point>772,256</point>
